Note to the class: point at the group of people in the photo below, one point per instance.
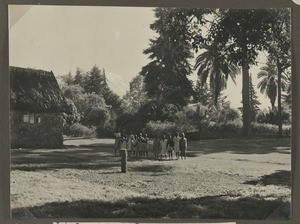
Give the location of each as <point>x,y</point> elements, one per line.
<point>138,145</point>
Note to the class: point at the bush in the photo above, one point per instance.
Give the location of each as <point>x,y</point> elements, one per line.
<point>286,130</point>
<point>224,130</point>
<point>105,132</point>
<point>235,130</point>
<point>133,123</point>
<point>264,130</point>
<point>158,128</point>
<point>79,130</point>
<point>271,116</point>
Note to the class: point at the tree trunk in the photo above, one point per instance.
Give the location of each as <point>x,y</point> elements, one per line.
<point>246,101</point>
<point>279,116</point>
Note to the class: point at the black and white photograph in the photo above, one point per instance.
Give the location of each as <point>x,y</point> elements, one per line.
<point>150,112</point>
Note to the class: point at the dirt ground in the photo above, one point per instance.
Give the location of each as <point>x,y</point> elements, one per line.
<point>229,178</point>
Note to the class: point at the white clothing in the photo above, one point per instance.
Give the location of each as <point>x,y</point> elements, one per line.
<point>163,144</point>
<point>176,144</point>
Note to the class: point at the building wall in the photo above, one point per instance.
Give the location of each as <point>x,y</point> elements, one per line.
<point>47,134</point>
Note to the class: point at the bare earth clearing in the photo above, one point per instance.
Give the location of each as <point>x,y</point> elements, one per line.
<point>227,178</point>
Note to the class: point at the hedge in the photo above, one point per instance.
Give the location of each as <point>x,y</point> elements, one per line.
<point>214,130</point>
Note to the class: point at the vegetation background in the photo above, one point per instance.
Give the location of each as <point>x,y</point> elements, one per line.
<point>162,99</point>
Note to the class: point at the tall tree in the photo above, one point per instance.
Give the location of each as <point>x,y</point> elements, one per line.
<point>166,75</point>
<point>254,102</point>
<point>213,65</point>
<point>287,97</point>
<point>268,83</point>
<point>96,82</point>
<point>202,93</point>
<point>79,78</point>
<point>243,38</point>
<point>68,79</point>
<point>136,96</point>
<point>280,50</point>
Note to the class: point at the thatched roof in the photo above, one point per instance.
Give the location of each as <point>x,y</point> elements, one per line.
<point>36,91</point>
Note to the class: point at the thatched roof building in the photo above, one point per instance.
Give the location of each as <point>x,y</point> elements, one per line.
<point>36,91</point>
<point>37,104</point>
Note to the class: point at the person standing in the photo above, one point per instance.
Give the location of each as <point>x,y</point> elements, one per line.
<point>156,147</point>
<point>183,146</point>
<point>134,145</point>
<point>123,153</point>
<point>123,143</point>
<point>145,140</point>
<point>118,138</point>
<point>176,145</point>
<point>140,145</point>
<point>170,146</point>
<point>130,144</point>
<point>163,147</point>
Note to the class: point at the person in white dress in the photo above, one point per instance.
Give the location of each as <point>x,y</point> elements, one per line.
<point>163,146</point>
<point>176,145</point>
<point>130,144</point>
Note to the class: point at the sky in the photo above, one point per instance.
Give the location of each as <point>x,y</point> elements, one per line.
<point>61,38</point>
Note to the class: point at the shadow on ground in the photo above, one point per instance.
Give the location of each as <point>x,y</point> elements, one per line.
<point>216,207</point>
<point>240,146</point>
<point>101,156</point>
<point>152,168</point>
<point>280,177</point>
<point>74,157</point>
<point>96,157</point>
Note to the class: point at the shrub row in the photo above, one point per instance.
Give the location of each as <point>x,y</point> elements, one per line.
<point>79,130</point>
<point>214,130</point>
<point>209,131</point>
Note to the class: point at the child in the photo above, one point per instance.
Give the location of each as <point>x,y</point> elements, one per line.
<point>140,145</point>
<point>129,144</point>
<point>170,146</point>
<point>156,147</point>
<point>176,145</point>
<point>163,146</point>
<point>134,145</point>
<point>183,146</point>
<point>145,145</point>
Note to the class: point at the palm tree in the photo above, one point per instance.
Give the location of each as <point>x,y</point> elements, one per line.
<point>212,64</point>
<point>288,96</point>
<point>269,83</point>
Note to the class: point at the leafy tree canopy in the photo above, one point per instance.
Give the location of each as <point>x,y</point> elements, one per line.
<point>166,76</point>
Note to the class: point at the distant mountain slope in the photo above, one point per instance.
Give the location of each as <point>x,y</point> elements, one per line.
<point>117,83</point>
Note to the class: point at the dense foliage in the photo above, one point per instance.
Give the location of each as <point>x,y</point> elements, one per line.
<point>162,99</point>
<point>91,100</point>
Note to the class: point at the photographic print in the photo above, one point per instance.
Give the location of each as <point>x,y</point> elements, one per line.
<point>137,112</point>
